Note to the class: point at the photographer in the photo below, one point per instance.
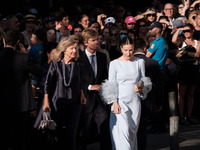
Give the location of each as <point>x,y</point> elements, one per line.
<point>188,72</point>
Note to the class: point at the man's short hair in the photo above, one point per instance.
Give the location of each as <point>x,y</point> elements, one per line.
<point>12,37</point>
<point>87,34</point>
<point>139,43</point>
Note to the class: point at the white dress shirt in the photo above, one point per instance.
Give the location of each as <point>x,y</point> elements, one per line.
<point>95,62</point>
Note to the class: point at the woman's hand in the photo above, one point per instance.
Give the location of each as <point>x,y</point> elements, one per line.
<point>137,90</point>
<point>46,107</point>
<point>117,109</point>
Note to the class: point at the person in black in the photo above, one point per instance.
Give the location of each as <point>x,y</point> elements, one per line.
<point>113,44</point>
<point>187,72</point>
<point>16,94</point>
<point>63,80</point>
<point>95,114</point>
<point>153,103</point>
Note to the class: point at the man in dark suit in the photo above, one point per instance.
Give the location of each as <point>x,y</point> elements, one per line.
<point>16,93</point>
<point>93,73</point>
<point>153,102</point>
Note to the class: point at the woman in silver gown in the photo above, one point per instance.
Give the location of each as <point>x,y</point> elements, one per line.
<point>122,92</point>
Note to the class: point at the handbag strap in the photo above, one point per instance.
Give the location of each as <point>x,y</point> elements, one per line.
<point>46,116</point>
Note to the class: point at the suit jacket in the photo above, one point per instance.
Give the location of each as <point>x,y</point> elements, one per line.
<point>16,92</point>
<point>155,96</point>
<point>87,78</point>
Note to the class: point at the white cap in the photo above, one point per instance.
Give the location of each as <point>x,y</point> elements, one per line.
<point>110,20</point>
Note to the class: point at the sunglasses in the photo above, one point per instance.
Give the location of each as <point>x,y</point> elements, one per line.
<point>115,35</point>
<point>131,23</point>
<point>186,31</point>
<point>153,15</point>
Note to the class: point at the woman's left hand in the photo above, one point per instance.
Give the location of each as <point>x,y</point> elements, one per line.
<point>137,90</point>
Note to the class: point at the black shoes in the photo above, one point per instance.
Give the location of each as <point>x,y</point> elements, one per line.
<point>188,121</point>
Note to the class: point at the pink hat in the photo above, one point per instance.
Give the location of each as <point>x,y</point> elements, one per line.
<point>129,19</point>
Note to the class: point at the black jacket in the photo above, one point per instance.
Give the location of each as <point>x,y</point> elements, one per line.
<point>155,96</point>
<point>16,92</point>
<point>87,78</point>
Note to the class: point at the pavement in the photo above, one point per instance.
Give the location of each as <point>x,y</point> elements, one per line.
<point>188,137</point>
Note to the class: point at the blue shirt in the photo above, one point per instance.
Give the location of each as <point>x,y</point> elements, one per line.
<point>36,51</point>
<point>159,49</point>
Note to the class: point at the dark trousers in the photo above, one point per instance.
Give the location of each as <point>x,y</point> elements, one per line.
<point>18,127</point>
<point>68,119</point>
<point>95,126</point>
<point>142,133</point>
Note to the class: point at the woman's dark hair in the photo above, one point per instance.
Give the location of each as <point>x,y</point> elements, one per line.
<point>60,15</point>
<point>92,22</point>
<point>41,34</point>
<point>189,25</point>
<point>126,41</point>
<point>48,47</point>
<point>77,26</point>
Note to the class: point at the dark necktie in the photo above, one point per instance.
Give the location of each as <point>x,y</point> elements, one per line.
<point>93,62</point>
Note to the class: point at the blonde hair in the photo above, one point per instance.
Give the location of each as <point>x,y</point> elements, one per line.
<point>75,37</point>
<point>87,34</point>
<point>62,46</point>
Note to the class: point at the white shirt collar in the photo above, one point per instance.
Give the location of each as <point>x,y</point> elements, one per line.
<point>89,54</point>
<point>139,53</point>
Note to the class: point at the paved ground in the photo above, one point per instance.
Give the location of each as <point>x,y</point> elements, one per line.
<point>189,139</point>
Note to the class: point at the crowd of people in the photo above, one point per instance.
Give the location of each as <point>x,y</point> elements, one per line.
<point>59,63</point>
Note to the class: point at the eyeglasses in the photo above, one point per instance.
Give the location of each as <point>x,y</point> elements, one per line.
<point>115,35</point>
<point>149,15</point>
<point>131,23</point>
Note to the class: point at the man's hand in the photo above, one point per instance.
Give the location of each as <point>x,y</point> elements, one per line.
<point>83,99</point>
<point>95,87</point>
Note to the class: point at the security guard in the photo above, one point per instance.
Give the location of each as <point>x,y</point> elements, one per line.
<point>158,50</point>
